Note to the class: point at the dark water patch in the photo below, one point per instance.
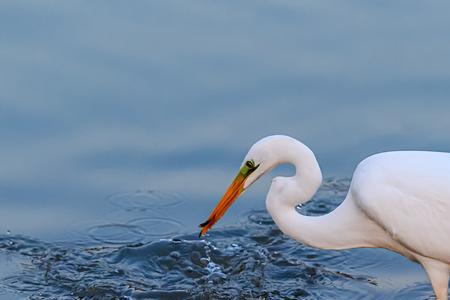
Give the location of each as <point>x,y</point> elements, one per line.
<point>178,268</point>
<point>173,269</point>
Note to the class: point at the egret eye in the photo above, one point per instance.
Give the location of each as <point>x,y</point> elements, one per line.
<point>250,164</point>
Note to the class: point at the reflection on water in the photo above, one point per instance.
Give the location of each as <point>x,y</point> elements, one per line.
<point>153,258</point>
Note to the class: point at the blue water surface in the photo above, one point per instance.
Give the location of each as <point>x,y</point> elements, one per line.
<point>121,124</point>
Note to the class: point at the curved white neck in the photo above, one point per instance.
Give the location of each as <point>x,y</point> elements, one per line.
<point>329,231</point>
<point>301,187</point>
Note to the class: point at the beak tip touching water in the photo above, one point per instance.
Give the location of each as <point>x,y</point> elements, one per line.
<point>232,193</point>
<point>204,227</point>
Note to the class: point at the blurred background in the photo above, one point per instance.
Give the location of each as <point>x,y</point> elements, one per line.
<point>106,97</point>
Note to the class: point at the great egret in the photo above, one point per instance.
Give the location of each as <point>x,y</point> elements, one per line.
<point>397,200</point>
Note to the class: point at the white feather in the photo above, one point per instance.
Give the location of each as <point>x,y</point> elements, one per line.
<point>397,200</point>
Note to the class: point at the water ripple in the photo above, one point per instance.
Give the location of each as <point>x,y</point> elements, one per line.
<point>157,227</point>
<point>252,260</point>
<point>144,200</point>
<point>116,233</point>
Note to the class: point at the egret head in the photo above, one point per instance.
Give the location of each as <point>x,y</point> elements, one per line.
<point>253,167</point>
<point>262,157</point>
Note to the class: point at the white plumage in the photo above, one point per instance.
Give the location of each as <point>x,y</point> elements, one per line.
<point>397,200</point>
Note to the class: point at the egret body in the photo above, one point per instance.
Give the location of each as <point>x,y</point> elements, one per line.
<point>397,200</point>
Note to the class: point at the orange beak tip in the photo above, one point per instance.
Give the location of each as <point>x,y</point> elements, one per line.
<point>202,232</point>
<point>228,198</point>
<point>204,227</point>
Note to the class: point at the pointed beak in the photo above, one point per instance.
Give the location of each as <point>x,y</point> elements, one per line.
<point>232,193</point>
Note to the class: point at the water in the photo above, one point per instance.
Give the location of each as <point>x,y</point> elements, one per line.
<point>122,124</point>
<point>157,258</point>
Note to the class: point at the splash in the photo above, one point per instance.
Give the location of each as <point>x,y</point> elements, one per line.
<point>252,260</point>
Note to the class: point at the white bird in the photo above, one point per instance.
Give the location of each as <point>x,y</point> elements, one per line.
<point>397,200</point>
